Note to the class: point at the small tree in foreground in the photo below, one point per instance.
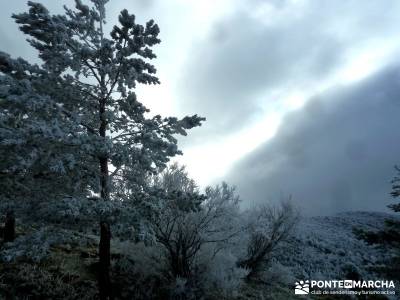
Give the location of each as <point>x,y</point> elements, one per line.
<point>190,221</point>
<point>268,227</point>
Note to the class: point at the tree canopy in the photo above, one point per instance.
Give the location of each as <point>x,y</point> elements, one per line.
<point>74,123</point>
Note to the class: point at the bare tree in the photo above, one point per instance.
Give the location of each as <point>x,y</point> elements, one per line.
<point>268,227</point>
<point>183,232</point>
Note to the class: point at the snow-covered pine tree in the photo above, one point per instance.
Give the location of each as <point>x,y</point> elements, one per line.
<point>75,118</point>
<point>42,149</point>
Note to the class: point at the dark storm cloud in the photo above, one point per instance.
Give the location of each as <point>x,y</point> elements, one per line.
<point>243,60</point>
<point>335,154</point>
<point>228,76</point>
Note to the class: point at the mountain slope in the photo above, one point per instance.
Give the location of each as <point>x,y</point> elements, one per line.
<point>326,248</point>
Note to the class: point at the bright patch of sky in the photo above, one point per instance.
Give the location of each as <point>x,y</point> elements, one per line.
<point>209,162</point>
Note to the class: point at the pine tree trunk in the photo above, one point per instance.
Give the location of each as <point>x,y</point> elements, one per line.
<point>103,159</point>
<point>104,190</point>
<point>105,233</point>
<point>104,262</point>
<point>9,228</point>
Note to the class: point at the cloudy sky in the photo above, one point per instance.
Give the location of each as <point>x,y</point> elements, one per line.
<point>301,97</point>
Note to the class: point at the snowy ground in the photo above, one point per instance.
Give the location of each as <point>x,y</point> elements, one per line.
<point>326,248</point>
